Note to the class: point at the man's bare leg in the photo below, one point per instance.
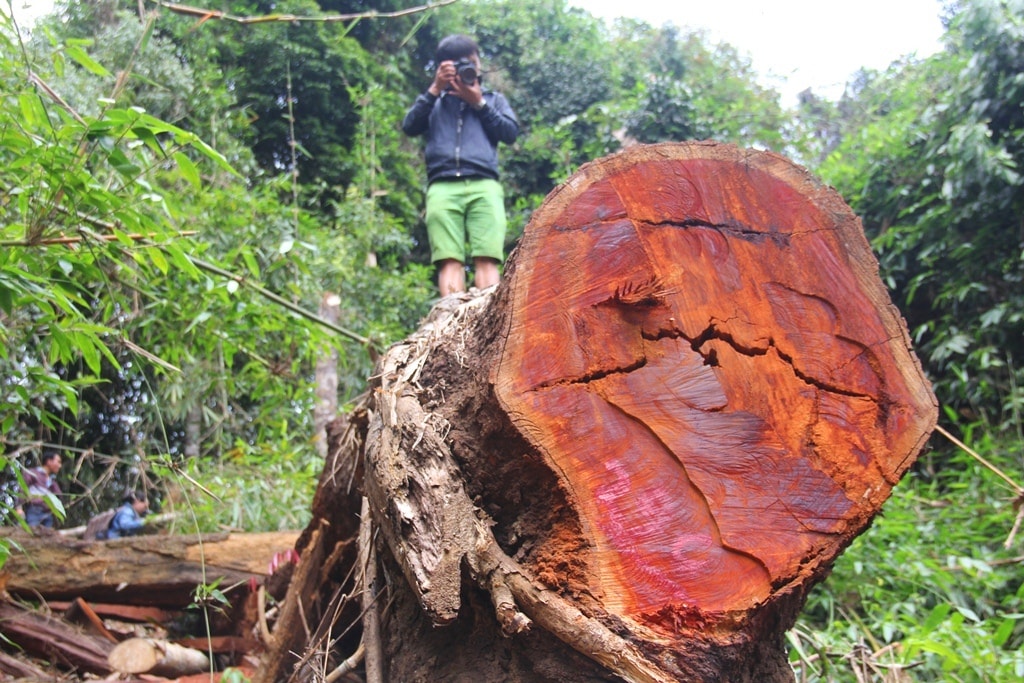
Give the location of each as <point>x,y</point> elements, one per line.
<point>486,272</point>
<point>451,277</point>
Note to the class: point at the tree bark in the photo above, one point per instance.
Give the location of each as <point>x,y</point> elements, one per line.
<point>161,571</point>
<point>53,640</point>
<point>688,396</point>
<point>193,431</point>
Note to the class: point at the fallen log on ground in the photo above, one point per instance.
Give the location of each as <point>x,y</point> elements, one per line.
<point>688,396</point>
<point>81,612</point>
<point>162,571</point>
<point>157,657</point>
<point>54,641</point>
<point>127,613</point>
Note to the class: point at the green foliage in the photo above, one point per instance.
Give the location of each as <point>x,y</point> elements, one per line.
<point>168,185</point>
<point>929,154</point>
<point>233,675</point>
<point>930,589</point>
<point>265,488</point>
<point>80,193</point>
<point>696,91</point>
<point>210,596</point>
<point>135,258</point>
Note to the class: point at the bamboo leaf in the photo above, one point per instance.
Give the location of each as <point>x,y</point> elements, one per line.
<point>936,617</point>
<point>32,111</point>
<point>87,348</point>
<point>188,169</point>
<point>85,61</point>
<point>157,256</point>
<point>250,263</point>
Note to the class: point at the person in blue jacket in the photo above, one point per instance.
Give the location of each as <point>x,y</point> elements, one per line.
<point>129,517</point>
<point>463,123</point>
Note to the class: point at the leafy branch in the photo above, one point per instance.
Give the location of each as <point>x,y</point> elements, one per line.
<point>209,268</point>
<point>207,14</point>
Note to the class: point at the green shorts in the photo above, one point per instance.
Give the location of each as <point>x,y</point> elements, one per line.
<point>464,209</point>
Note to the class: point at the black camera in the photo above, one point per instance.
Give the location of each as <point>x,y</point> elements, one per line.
<point>466,70</point>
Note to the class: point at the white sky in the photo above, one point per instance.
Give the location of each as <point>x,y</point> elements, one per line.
<point>793,44</point>
<point>796,44</point>
<point>25,11</point>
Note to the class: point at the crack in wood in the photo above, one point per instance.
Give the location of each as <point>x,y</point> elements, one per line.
<point>735,229</point>
<point>589,377</point>
<point>712,333</point>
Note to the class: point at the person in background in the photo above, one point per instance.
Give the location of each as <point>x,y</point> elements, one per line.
<point>463,124</point>
<point>41,483</point>
<point>129,517</point>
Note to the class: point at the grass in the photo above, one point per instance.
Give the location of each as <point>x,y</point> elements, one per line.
<point>932,592</point>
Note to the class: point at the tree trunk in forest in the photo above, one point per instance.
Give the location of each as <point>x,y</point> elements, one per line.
<point>193,431</point>
<point>689,394</point>
<point>326,377</point>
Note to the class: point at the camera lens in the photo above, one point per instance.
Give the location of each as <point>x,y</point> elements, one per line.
<point>466,71</point>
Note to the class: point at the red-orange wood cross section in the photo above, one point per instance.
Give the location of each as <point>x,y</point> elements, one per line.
<point>703,351</point>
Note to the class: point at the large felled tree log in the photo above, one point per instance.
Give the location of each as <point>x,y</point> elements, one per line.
<point>142,570</point>
<point>689,395</point>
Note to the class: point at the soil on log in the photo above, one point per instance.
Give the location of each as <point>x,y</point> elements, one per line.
<point>634,457</point>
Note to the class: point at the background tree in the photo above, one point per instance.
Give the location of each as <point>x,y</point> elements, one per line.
<point>936,175</point>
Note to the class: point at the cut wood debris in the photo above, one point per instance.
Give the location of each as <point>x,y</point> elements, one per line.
<point>126,609</point>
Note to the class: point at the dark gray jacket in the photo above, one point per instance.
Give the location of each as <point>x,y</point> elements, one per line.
<point>461,141</point>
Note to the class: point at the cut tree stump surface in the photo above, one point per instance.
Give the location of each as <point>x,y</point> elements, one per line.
<point>161,658</point>
<point>702,349</point>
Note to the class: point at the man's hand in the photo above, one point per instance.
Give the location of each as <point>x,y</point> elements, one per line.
<point>470,94</point>
<point>442,78</point>
<point>447,79</point>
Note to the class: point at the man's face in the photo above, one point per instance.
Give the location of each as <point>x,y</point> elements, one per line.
<point>53,465</point>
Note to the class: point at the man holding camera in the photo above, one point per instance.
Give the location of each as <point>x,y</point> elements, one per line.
<point>463,125</point>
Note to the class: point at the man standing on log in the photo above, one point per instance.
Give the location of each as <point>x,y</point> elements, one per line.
<point>41,483</point>
<point>463,125</point>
